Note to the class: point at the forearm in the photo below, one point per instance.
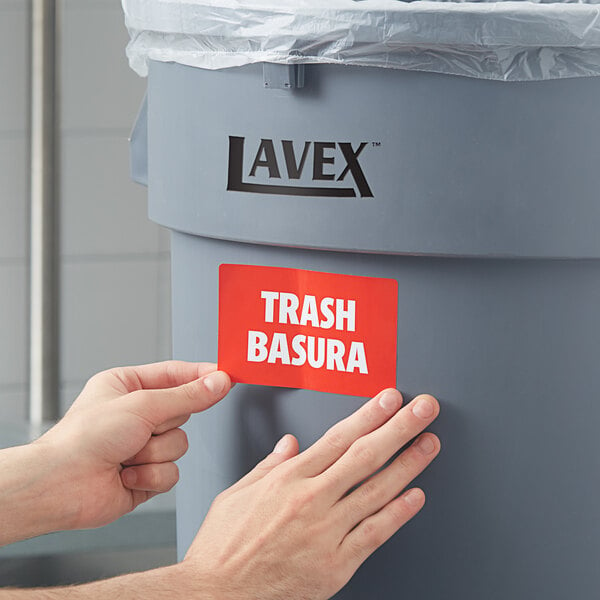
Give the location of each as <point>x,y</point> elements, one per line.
<point>33,499</point>
<point>158,584</point>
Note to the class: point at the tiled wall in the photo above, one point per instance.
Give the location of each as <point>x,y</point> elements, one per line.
<point>114,262</point>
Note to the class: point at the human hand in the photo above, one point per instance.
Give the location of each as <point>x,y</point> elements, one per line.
<point>116,446</point>
<point>296,527</point>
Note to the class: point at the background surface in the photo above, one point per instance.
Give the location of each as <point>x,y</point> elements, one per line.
<point>115,272</point>
<point>114,262</point>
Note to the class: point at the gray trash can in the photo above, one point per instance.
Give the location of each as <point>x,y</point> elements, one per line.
<point>480,197</point>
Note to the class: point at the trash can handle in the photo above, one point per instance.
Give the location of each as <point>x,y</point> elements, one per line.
<point>138,145</point>
<point>283,77</point>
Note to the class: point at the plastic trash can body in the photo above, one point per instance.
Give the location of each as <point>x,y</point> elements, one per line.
<point>484,207</point>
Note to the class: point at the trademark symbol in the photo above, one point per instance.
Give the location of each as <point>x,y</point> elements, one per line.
<point>376,144</point>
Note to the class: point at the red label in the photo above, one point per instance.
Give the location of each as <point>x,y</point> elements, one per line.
<point>306,329</point>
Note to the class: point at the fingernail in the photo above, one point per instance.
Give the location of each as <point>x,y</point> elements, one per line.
<point>423,408</point>
<point>129,477</point>
<point>390,401</point>
<point>425,445</point>
<point>414,497</point>
<point>281,445</point>
<point>215,382</point>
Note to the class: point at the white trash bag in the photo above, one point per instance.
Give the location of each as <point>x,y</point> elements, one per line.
<point>509,41</point>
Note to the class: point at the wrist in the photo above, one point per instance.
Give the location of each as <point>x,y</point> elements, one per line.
<point>59,479</point>
<point>33,499</point>
<point>191,583</point>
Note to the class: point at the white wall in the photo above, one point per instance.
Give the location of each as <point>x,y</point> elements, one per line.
<point>114,262</point>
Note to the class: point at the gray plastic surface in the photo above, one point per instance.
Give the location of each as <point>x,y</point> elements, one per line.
<point>462,168</point>
<point>511,350</point>
<point>456,166</point>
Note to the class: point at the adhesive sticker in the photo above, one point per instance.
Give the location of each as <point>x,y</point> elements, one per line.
<point>306,329</point>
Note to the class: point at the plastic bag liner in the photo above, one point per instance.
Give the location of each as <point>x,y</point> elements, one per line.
<point>509,41</point>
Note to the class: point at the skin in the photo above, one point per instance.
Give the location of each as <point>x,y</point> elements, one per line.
<point>295,527</point>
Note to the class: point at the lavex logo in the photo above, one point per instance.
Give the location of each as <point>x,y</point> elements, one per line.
<point>326,156</point>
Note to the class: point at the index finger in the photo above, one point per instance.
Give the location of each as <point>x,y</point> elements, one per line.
<point>161,405</point>
<point>336,441</point>
<point>372,451</point>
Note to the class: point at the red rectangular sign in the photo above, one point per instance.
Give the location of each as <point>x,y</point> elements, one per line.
<point>307,329</point>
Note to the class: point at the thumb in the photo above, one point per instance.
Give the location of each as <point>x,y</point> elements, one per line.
<point>286,448</point>
<point>162,405</point>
